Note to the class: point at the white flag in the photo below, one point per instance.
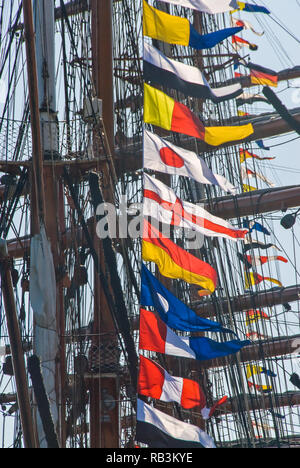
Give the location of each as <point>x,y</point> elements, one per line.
<point>162,156</point>
<point>161,203</point>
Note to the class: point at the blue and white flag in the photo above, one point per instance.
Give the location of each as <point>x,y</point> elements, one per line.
<point>171,310</point>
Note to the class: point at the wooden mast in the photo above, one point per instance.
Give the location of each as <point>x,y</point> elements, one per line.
<point>104,391</point>
<point>54,215</point>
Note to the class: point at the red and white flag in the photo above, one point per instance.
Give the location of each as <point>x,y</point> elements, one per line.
<point>155,382</point>
<point>162,156</point>
<point>161,203</point>
<point>250,174</point>
<point>244,24</point>
<point>261,260</point>
<point>238,43</point>
<point>156,336</point>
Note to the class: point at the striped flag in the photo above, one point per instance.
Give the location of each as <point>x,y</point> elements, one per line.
<point>249,245</point>
<point>245,25</point>
<point>252,279</point>
<point>161,203</point>
<point>238,43</point>
<point>163,111</point>
<point>162,156</point>
<point>219,6</point>
<point>255,315</point>
<point>176,30</point>
<point>251,174</point>
<point>248,188</point>
<point>261,260</point>
<point>174,262</point>
<point>156,336</point>
<point>171,310</point>
<point>245,154</point>
<point>259,75</point>
<point>155,382</point>
<point>247,98</point>
<point>189,80</point>
<point>159,430</point>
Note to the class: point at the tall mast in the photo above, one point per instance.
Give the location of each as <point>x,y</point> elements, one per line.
<point>54,219</point>
<point>105,389</point>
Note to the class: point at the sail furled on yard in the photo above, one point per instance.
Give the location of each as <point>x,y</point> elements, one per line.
<point>43,303</point>
<point>176,30</point>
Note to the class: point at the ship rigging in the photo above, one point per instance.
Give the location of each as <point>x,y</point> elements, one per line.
<point>71,140</point>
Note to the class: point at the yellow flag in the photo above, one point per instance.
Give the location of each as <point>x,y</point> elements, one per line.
<point>248,188</point>
<point>164,27</point>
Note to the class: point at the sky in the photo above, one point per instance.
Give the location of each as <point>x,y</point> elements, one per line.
<point>277,50</point>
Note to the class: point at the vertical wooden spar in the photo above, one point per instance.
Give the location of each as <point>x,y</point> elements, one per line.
<point>16,349</point>
<point>105,390</point>
<point>38,197</point>
<point>54,216</point>
<point>102,45</point>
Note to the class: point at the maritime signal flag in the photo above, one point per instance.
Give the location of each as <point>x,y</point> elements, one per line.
<point>245,25</point>
<point>255,315</point>
<point>155,382</point>
<point>255,226</point>
<point>251,174</point>
<point>163,156</point>
<point>163,111</point>
<point>162,70</point>
<point>159,430</point>
<point>175,262</point>
<point>161,203</point>
<point>171,310</point>
<point>249,245</point>
<point>156,336</point>
<point>245,154</point>
<point>176,30</point>
<point>252,279</point>
<point>219,6</point>
<point>238,43</point>
<point>248,188</point>
<point>261,260</point>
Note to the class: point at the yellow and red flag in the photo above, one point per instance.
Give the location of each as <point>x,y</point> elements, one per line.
<point>245,154</point>
<point>174,262</point>
<point>163,111</point>
<point>251,279</point>
<point>255,315</point>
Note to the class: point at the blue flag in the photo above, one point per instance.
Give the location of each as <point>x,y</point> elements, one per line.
<point>261,145</point>
<point>206,41</point>
<point>254,225</point>
<point>171,310</point>
<point>268,372</point>
<point>251,8</point>
<point>205,348</point>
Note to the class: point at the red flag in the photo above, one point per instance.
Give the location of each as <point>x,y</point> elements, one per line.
<point>156,382</point>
